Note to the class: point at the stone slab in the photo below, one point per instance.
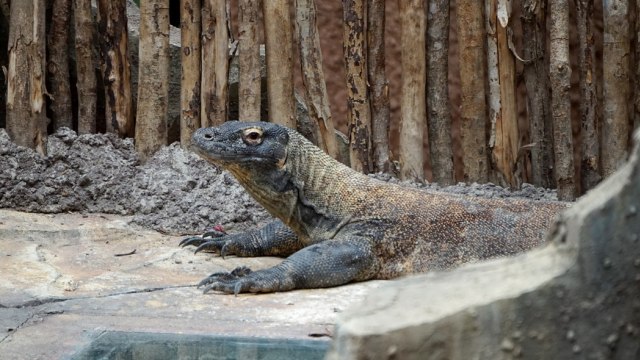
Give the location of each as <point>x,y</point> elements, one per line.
<point>62,285</point>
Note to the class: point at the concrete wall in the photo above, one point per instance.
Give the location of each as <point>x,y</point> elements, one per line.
<point>579,297</point>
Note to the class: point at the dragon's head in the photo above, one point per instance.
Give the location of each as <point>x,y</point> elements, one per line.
<point>243,143</point>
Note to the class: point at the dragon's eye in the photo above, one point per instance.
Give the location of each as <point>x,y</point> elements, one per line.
<point>252,136</point>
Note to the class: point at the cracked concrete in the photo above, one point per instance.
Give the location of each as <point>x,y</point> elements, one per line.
<point>62,286</point>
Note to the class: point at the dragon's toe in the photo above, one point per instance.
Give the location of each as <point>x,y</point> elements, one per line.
<point>192,241</point>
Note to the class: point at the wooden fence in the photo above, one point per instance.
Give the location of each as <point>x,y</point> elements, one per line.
<point>548,89</point>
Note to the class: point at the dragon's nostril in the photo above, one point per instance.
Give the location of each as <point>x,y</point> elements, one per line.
<point>208,136</point>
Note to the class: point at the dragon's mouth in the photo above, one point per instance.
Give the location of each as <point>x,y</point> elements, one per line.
<point>222,154</point>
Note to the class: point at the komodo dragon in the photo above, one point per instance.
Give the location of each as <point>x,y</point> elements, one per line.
<point>338,226</point>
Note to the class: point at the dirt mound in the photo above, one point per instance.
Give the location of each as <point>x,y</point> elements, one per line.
<point>174,192</point>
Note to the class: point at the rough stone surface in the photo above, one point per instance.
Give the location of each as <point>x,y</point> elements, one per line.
<point>174,192</point>
<point>578,297</point>
<point>62,286</point>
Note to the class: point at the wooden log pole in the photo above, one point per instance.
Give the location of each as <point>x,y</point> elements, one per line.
<point>26,120</point>
<point>473,121</point>
<point>278,30</point>
<point>358,110</point>
<point>616,72</point>
<point>249,60</point>
<point>536,80</point>
<point>58,65</point>
<point>153,88</point>
<point>215,62</point>
<point>438,112</point>
<point>590,144</point>
<point>313,75</point>
<point>190,57</point>
<point>379,85</point>
<point>413,97</point>
<point>504,136</point>
<point>560,75</point>
<point>115,65</point>
<point>85,66</point>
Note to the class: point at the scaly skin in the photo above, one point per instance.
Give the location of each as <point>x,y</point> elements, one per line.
<point>338,226</point>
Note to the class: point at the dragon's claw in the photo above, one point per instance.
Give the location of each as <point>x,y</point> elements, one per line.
<point>215,232</point>
<point>192,240</point>
<point>228,282</point>
<point>211,246</point>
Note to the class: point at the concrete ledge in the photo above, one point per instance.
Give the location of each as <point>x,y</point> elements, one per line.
<point>578,297</point>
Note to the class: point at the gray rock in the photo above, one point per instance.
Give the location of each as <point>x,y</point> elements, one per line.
<point>101,173</point>
<point>578,296</point>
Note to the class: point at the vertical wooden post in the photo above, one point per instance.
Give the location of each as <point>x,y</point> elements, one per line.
<point>636,100</point>
<point>473,121</point>
<point>359,113</point>
<point>116,71</point>
<point>249,61</point>
<point>590,144</point>
<point>615,111</point>
<point>85,66</point>
<point>380,112</point>
<point>190,57</point>
<point>413,97</point>
<point>313,75</point>
<point>560,75</point>
<point>58,64</point>
<point>537,84</point>
<point>504,135</point>
<point>26,118</point>
<point>153,88</point>
<point>278,30</point>
<point>439,115</point>
<point>215,62</point>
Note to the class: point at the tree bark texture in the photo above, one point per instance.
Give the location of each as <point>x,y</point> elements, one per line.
<point>636,113</point>
<point>493,78</point>
<point>560,75</point>
<point>439,115</point>
<point>358,110</point>
<point>379,85</point>
<point>4,9</point>
<point>116,71</point>
<point>590,145</point>
<point>249,60</point>
<point>85,66</point>
<point>473,122</point>
<point>504,135</point>
<point>153,88</point>
<point>26,121</point>
<point>190,58</point>
<point>537,85</point>
<point>215,62</point>
<point>413,97</point>
<point>615,111</point>
<point>313,76</point>
<point>58,65</point>
<point>278,31</point>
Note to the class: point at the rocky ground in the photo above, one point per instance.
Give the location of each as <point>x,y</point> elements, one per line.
<point>175,192</point>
